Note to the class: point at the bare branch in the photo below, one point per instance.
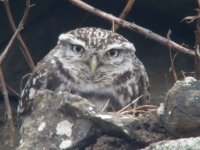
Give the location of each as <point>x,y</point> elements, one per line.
<point>9,111</point>
<point>190,19</point>
<point>197,45</point>
<point>12,23</point>
<point>145,32</point>
<point>19,28</point>
<point>2,80</point>
<point>124,13</point>
<point>8,47</point>
<point>172,68</point>
<point>199,3</point>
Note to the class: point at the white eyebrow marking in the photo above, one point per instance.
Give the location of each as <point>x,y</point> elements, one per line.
<point>71,38</point>
<point>124,45</point>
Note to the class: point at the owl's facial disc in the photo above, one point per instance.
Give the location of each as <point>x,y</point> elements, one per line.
<point>97,55</point>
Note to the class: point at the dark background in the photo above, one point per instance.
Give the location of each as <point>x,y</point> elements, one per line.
<point>49,18</point>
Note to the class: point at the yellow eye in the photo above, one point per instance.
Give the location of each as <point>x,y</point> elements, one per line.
<point>77,48</point>
<point>113,53</point>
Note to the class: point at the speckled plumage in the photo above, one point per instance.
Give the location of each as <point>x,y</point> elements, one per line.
<point>97,64</point>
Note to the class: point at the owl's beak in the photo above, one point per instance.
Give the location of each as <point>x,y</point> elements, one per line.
<point>93,63</point>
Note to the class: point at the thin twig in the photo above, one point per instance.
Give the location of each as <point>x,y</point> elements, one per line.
<point>146,107</point>
<point>172,68</point>
<point>12,90</point>
<point>197,59</point>
<point>106,105</point>
<point>84,19</point>
<point>145,32</point>
<point>140,109</point>
<point>167,82</point>
<point>113,26</point>
<point>185,74</point>
<point>8,47</point>
<point>197,46</point>
<point>19,28</point>
<point>136,111</point>
<point>124,13</point>
<point>12,23</point>
<point>133,102</point>
<point>9,111</point>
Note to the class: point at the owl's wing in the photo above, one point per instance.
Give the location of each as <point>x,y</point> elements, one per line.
<point>43,77</point>
<point>143,82</point>
<point>145,88</point>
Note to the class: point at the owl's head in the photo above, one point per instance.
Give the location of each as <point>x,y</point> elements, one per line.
<point>96,52</point>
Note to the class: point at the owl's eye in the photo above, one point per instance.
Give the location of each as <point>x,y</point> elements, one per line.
<point>113,53</point>
<point>77,48</point>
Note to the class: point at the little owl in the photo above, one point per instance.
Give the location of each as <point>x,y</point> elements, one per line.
<point>94,63</point>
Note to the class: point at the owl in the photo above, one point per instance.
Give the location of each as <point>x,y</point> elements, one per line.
<point>97,64</point>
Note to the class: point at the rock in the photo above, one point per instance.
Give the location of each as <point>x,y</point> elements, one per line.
<point>183,144</point>
<point>181,115</point>
<point>151,129</point>
<point>66,121</point>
